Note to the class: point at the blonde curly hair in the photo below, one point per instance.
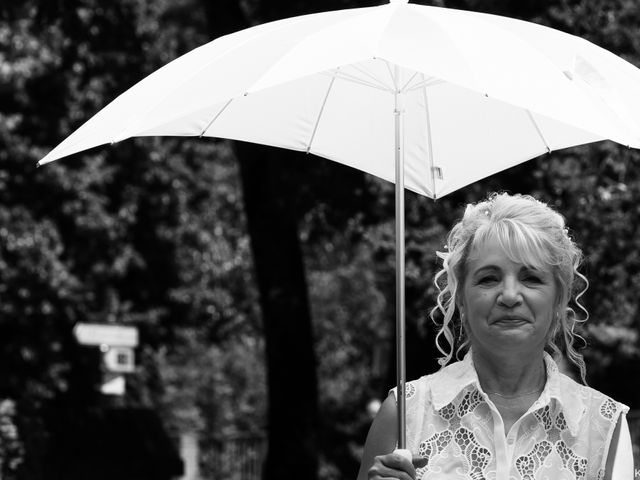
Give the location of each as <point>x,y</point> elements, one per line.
<point>530,232</point>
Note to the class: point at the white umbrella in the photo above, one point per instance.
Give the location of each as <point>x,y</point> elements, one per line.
<point>429,98</point>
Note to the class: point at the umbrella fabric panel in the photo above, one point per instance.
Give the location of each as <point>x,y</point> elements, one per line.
<point>497,135</point>
<point>356,128</point>
<point>352,40</point>
<point>287,114</point>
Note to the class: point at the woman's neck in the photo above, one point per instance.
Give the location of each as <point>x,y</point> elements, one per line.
<point>510,376</point>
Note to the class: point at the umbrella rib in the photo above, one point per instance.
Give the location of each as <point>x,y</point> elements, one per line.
<point>372,77</point>
<point>537,127</point>
<point>404,87</point>
<point>324,102</point>
<point>393,77</point>
<point>215,117</point>
<point>432,169</point>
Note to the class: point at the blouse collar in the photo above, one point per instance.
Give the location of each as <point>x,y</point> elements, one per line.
<point>456,377</point>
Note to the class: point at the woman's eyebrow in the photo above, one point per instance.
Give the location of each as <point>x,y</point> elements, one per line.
<point>485,267</point>
<point>531,268</point>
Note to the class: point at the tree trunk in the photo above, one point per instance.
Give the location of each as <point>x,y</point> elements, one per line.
<point>269,196</point>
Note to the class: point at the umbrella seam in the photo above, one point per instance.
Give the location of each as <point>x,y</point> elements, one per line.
<point>404,87</point>
<point>393,78</point>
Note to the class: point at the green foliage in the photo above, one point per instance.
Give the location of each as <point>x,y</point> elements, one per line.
<point>147,234</point>
<point>11,447</point>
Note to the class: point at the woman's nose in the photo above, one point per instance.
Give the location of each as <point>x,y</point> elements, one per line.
<point>510,294</point>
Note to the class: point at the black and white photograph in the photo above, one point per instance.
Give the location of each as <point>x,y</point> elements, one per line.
<point>305,240</point>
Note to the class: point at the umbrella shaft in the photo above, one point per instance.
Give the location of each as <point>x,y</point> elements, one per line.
<point>400,254</point>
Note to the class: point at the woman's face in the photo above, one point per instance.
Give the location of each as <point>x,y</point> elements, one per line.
<point>507,306</point>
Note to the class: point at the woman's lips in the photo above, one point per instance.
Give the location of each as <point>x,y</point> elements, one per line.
<point>511,320</point>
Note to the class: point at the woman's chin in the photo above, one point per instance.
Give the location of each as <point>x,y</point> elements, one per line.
<point>521,331</point>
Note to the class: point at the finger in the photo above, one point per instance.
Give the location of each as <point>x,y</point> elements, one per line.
<point>381,472</point>
<point>395,460</point>
<point>398,463</point>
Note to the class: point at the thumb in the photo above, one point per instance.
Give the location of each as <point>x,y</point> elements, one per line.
<point>419,462</point>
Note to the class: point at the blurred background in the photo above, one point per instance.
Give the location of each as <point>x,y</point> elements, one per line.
<point>248,292</point>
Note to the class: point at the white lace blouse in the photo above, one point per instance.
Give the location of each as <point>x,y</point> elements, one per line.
<point>564,435</point>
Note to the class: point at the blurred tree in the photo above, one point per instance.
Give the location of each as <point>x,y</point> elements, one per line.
<point>11,447</point>
<point>134,235</point>
<point>274,202</point>
<point>272,222</point>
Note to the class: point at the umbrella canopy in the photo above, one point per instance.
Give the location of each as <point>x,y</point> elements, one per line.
<point>429,98</point>
<point>480,93</point>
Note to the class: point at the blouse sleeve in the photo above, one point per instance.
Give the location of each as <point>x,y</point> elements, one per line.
<point>623,463</point>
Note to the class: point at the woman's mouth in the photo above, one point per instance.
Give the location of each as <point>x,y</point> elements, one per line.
<point>511,320</point>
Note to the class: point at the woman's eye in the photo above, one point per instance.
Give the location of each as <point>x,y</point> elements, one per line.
<point>532,279</point>
<point>487,279</point>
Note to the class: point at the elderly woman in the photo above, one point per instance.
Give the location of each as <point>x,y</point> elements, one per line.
<point>505,411</point>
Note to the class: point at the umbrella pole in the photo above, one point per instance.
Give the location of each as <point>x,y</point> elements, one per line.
<point>400,254</point>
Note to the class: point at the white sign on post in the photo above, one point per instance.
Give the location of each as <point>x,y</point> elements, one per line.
<point>101,334</point>
<point>119,359</point>
<point>113,385</point>
<point>116,343</point>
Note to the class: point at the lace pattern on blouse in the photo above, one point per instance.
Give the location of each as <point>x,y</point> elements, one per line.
<point>477,457</point>
<point>454,432</point>
<point>528,465</point>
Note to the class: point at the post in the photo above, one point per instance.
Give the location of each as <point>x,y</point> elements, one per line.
<point>400,254</point>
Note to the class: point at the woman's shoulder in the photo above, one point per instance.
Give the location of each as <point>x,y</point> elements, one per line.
<point>446,382</point>
<point>592,399</point>
<point>418,386</point>
<point>451,372</point>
